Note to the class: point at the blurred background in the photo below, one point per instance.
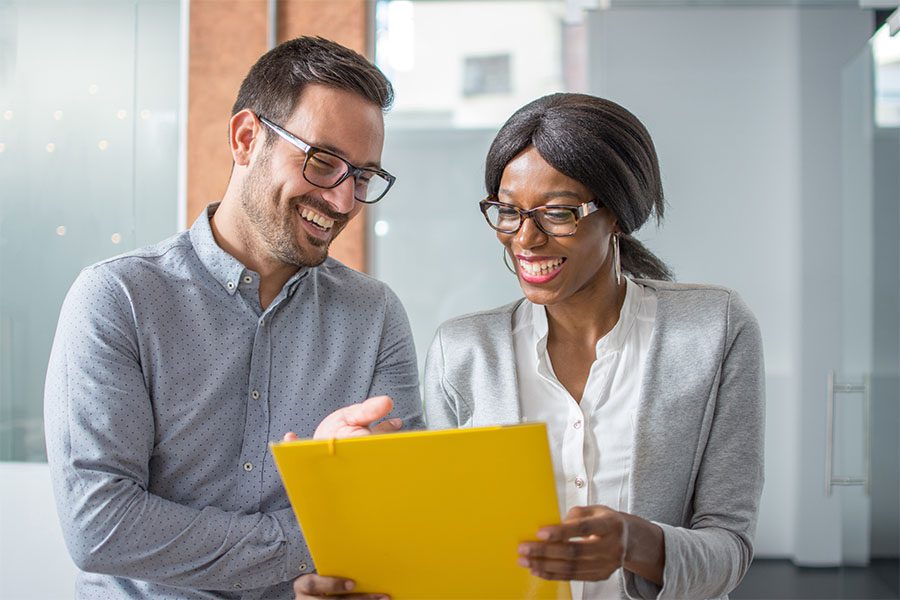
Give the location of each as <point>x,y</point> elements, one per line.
<point>777,123</point>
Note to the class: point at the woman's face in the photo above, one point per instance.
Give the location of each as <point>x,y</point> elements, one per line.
<point>551,269</point>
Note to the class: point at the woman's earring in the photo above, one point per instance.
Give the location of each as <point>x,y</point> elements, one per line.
<point>617,258</point>
<point>506,262</point>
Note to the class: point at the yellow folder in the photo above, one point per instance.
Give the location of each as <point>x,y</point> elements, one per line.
<point>426,514</point>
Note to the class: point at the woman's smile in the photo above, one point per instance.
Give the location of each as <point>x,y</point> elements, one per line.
<point>539,269</point>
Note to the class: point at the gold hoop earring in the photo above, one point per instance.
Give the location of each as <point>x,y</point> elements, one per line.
<point>617,258</point>
<point>506,262</point>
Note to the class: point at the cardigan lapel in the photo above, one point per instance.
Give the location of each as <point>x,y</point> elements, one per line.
<point>506,408</point>
<point>672,415</point>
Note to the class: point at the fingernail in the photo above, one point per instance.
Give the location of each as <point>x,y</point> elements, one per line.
<point>349,585</point>
<point>543,535</point>
<point>397,423</point>
<point>524,550</point>
<point>523,562</point>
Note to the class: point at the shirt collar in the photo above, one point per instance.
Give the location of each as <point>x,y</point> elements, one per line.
<point>610,342</point>
<point>225,268</point>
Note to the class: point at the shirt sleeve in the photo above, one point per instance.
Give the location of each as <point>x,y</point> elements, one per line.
<point>710,557</point>
<point>396,371</point>
<point>442,410</point>
<point>100,440</point>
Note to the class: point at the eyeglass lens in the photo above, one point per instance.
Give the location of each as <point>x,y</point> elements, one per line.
<point>560,221</point>
<point>326,170</point>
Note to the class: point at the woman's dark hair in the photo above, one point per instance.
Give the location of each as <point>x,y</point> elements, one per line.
<point>602,146</point>
<point>273,85</point>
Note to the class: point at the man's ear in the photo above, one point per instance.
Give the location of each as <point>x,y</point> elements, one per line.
<point>244,135</point>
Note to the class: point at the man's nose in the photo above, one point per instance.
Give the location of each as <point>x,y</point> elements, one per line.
<point>341,197</point>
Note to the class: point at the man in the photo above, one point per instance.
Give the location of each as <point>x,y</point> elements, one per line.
<point>174,366</point>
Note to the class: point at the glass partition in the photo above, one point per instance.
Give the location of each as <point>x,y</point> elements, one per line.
<point>89,97</point>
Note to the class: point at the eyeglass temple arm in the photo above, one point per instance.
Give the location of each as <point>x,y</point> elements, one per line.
<point>587,208</point>
<point>286,134</point>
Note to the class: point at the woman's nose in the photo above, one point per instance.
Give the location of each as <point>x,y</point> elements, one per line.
<point>530,235</point>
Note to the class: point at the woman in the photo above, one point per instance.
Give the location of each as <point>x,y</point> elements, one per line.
<point>652,391</point>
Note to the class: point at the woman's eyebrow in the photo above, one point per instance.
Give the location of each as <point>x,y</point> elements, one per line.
<point>552,194</point>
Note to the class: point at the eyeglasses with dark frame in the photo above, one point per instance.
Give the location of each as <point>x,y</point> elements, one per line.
<point>327,170</point>
<point>557,220</point>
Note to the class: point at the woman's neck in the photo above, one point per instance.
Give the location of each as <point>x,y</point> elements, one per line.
<point>587,315</point>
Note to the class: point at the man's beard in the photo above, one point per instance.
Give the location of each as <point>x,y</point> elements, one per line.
<point>274,222</point>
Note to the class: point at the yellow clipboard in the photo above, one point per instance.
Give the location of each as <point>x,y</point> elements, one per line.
<point>426,514</point>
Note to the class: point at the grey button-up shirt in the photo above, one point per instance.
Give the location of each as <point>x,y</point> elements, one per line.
<point>166,383</point>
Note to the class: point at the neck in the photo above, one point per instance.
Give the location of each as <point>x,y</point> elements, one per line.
<point>233,234</point>
<point>587,315</point>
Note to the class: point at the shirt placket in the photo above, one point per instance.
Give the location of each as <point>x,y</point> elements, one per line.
<point>573,458</point>
<point>256,427</point>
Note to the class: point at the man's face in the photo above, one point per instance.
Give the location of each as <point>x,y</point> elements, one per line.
<point>294,220</point>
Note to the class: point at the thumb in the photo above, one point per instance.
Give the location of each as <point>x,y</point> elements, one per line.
<point>369,411</point>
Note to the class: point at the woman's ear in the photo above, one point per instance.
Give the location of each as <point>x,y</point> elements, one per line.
<point>244,136</point>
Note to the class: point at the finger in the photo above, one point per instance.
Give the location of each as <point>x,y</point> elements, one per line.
<point>319,585</point>
<point>564,570</point>
<point>388,426</point>
<point>588,549</point>
<point>599,524</point>
<point>367,412</point>
<point>290,436</point>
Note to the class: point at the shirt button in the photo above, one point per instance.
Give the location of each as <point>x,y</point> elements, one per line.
<point>303,566</point>
<point>248,466</point>
<point>230,286</point>
<point>577,424</point>
<point>254,394</point>
<point>248,279</point>
<point>579,482</point>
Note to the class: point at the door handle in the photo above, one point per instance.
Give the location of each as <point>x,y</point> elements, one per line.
<point>835,388</point>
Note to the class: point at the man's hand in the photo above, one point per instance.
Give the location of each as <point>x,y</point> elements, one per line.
<point>317,586</point>
<point>356,420</point>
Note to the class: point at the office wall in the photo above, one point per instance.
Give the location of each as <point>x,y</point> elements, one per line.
<point>34,562</point>
<point>886,345</point>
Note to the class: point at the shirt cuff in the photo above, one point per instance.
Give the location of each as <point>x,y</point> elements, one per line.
<point>297,558</point>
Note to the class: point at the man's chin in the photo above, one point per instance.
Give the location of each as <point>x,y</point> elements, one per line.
<point>312,255</point>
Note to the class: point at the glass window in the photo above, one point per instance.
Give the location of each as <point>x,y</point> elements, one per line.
<point>459,69</point>
<point>88,169</point>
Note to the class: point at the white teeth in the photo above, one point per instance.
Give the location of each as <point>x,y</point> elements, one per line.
<point>540,267</point>
<point>314,217</point>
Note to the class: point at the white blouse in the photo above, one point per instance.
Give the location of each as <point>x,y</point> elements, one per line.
<point>591,441</point>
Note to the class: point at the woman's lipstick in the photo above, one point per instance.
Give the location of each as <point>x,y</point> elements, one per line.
<point>539,269</point>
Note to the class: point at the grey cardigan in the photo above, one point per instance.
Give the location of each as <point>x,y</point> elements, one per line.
<point>697,468</point>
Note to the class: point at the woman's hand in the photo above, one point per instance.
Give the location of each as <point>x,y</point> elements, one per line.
<point>592,542</point>
<point>312,586</point>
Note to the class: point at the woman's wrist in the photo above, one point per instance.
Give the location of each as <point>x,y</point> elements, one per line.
<point>645,549</point>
